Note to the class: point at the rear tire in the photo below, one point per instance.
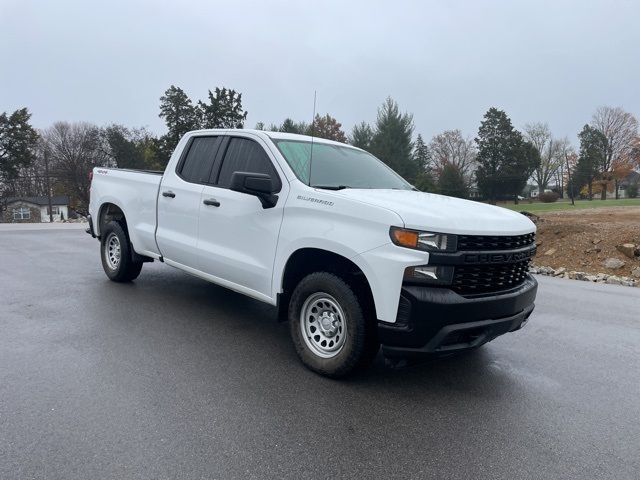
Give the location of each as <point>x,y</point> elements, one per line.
<point>116,254</point>
<point>329,328</point>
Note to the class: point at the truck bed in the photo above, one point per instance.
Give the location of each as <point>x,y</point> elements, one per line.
<point>137,190</point>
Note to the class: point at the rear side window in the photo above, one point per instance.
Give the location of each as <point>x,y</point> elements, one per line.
<point>244,155</point>
<point>197,165</point>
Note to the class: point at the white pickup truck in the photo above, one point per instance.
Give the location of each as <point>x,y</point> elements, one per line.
<point>352,254</point>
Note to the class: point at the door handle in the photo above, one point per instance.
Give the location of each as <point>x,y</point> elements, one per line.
<point>168,193</point>
<point>211,201</point>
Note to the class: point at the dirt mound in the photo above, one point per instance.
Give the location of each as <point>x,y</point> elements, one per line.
<point>583,239</point>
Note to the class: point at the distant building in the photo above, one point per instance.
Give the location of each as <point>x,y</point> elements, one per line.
<point>34,209</point>
<point>535,193</point>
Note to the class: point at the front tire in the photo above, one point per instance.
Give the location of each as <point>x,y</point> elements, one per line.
<point>329,328</point>
<point>116,255</point>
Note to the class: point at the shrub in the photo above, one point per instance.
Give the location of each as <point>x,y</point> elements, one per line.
<point>548,197</point>
<point>632,190</point>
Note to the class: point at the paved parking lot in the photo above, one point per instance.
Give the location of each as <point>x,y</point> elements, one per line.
<point>171,377</point>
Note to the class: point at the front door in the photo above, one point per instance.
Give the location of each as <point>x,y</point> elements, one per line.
<point>237,237</point>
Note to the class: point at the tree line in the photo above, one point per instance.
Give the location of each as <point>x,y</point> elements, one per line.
<point>495,165</point>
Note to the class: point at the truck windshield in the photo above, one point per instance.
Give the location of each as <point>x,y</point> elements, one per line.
<point>336,167</point>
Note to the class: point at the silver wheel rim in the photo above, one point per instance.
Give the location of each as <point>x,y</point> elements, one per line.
<point>323,325</point>
<point>112,251</point>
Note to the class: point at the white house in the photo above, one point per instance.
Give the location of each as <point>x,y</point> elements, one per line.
<point>35,209</point>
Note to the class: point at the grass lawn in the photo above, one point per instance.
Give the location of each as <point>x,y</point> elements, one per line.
<point>538,207</point>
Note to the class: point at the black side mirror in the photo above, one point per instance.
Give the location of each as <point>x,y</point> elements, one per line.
<point>257,184</point>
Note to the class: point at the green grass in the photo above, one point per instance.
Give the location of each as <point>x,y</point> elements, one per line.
<point>538,207</point>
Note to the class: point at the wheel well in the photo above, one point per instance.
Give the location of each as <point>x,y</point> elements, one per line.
<point>308,260</point>
<point>109,212</point>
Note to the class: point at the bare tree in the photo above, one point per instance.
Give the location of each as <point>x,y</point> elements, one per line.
<point>452,148</point>
<point>551,161</point>
<point>620,128</point>
<point>568,159</point>
<point>74,149</point>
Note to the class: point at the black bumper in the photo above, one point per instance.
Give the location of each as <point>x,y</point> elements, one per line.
<point>439,321</point>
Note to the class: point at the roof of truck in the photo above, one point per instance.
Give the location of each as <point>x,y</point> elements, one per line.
<point>277,135</point>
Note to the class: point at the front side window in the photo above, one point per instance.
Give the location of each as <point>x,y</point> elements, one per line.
<point>196,166</point>
<point>334,166</point>
<point>244,155</point>
<point>21,213</point>
<point>55,210</point>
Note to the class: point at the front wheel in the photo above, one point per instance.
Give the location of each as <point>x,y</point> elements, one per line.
<point>330,331</point>
<point>116,255</point>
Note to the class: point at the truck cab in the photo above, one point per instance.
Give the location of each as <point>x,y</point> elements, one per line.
<point>354,256</point>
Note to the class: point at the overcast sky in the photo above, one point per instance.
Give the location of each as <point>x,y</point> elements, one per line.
<point>446,62</point>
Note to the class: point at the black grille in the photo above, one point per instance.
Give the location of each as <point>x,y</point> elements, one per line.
<point>471,279</point>
<point>494,242</point>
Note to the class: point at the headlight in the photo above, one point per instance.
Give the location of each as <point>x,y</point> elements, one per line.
<point>432,274</point>
<point>429,241</point>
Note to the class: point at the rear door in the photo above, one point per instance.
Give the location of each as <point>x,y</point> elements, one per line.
<point>237,237</point>
<point>179,200</point>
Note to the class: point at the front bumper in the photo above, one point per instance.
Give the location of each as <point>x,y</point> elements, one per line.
<point>434,321</point>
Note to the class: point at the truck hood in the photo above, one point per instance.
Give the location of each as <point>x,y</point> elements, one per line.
<point>438,213</point>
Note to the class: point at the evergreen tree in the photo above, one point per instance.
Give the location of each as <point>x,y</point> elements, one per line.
<point>123,148</point>
<point>519,170</point>
<point>424,180</point>
<point>593,147</point>
<point>391,141</point>
<point>505,161</point>
<point>180,116</point>
<point>421,155</point>
<point>451,182</point>
<point>224,109</point>
<point>290,126</point>
<point>179,113</point>
<point>361,136</point>
<point>18,140</point>
<point>327,127</point>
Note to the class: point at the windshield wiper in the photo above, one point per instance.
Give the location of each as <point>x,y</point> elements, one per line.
<point>331,187</point>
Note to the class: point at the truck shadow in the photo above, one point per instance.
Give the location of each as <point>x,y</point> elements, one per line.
<point>227,322</point>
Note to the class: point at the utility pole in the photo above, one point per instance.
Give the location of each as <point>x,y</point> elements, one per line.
<point>48,180</point>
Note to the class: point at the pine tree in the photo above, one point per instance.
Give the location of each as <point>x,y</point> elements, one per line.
<point>361,136</point>
<point>593,147</point>
<point>224,109</point>
<point>391,141</point>
<point>424,180</point>
<point>123,148</point>
<point>18,140</point>
<point>179,113</point>
<point>291,126</point>
<point>421,154</point>
<point>451,182</point>
<point>505,161</point>
<point>180,116</point>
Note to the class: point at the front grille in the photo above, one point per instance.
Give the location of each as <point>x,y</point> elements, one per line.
<point>494,242</point>
<point>471,279</point>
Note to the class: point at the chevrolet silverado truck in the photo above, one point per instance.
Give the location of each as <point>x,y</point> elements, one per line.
<point>353,255</point>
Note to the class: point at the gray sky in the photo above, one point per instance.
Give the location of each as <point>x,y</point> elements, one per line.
<point>446,62</point>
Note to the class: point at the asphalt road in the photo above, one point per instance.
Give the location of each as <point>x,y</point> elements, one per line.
<point>171,377</point>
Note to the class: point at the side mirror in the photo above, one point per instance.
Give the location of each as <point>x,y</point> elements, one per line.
<point>257,184</point>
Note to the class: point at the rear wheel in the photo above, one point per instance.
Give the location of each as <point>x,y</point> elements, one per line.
<point>116,253</point>
<point>330,331</point>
